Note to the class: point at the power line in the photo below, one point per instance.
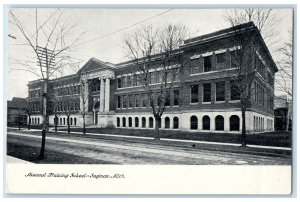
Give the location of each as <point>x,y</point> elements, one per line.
<point>124,28</point>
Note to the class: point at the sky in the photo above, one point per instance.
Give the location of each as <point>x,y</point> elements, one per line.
<point>104,32</point>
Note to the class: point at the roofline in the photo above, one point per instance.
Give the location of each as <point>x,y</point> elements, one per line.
<point>111,66</point>
<point>203,39</point>
<point>155,56</point>
<point>63,77</point>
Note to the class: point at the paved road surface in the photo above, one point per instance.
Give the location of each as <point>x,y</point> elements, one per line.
<point>120,152</point>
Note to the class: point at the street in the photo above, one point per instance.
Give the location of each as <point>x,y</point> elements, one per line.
<point>81,149</point>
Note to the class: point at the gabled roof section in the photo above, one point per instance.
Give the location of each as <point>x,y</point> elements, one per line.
<point>95,64</point>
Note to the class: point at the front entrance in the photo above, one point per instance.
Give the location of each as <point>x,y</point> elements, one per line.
<point>96,111</point>
<point>95,117</point>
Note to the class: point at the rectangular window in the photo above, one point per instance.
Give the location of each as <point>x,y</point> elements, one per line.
<point>119,82</point>
<point>140,79</point>
<point>129,83</point>
<point>176,97</point>
<point>119,102</point>
<point>169,76</point>
<point>195,66</point>
<point>207,63</point>
<point>152,77</point>
<point>158,76</point>
<point>194,93</point>
<point>137,100</point>
<point>124,82</point>
<point>207,92</point>
<point>167,100</point>
<point>130,101</point>
<point>234,91</point>
<point>77,105</point>
<point>158,99</point>
<point>220,91</point>
<point>235,57</point>
<point>144,100</point>
<point>221,57</point>
<point>124,101</point>
<point>134,80</point>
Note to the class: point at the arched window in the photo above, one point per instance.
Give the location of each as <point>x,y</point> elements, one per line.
<point>234,123</point>
<point>143,122</point>
<point>124,121</point>
<point>118,121</point>
<point>136,121</point>
<point>71,120</point>
<point>175,122</point>
<point>64,120</point>
<point>194,123</point>
<point>74,121</point>
<point>150,122</point>
<point>167,122</point>
<point>38,120</point>
<point>60,121</point>
<point>129,122</point>
<point>219,122</point>
<point>206,123</point>
<point>34,120</point>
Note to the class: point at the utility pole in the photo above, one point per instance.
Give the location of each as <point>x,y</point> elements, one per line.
<point>45,61</point>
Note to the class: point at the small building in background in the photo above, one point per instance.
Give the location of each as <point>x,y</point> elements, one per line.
<point>17,111</point>
<point>282,113</point>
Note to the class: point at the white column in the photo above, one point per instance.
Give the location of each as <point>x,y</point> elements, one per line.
<point>107,94</point>
<point>101,109</point>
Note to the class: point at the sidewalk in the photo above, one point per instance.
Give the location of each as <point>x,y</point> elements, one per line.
<point>10,159</point>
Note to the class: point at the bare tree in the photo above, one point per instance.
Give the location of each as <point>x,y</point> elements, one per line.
<point>284,78</point>
<point>84,98</point>
<point>50,41</point>
<point>284,75</point>
<point>157,60</point>
<point>28,112</point>
<point>247,62</point>
<point>266,21</point>
<point>244,74</point>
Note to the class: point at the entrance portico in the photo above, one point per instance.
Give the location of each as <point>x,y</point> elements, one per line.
<point>95,69</point>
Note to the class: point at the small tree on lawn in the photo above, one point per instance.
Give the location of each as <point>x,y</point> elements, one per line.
<point>28,112</point>
<point>85,85</point>
<point>155,54</point>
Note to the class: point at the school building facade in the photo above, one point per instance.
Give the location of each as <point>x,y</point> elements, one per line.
<point>207,98</point>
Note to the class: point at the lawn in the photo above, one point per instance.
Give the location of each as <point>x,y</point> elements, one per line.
<point>281,139</point>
